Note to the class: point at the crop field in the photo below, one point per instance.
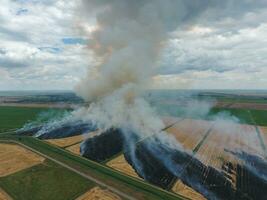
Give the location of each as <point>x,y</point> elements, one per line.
<point>74,149</point>
<point>71,141</point>
<point>215,151</point>
<point>120,164</point>
<point>180,188</point>
<point>68,141</point>
<point>134,187</point>
<point>14,158</point>
<point>189,132</point>
<point>230,137</point>
<point>98,193</point>
<point>213,143</point>
<point>45,181</point>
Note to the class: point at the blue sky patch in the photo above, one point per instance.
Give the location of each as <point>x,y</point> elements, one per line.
<point>73,40</point>
<point>51,49</point>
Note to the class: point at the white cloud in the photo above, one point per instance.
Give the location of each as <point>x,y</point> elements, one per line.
<point>226,58</point>
<point>224,48</point>
<point>32,50</point>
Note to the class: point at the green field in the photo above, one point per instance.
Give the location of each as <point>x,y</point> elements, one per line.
<point>15,117</point>
<point>45,181</point>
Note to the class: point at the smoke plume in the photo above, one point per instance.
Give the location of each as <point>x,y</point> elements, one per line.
<point>127,42</point>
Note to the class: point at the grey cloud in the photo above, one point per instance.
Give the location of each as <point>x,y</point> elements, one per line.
<point>11,63</point>
<point>13,35</point>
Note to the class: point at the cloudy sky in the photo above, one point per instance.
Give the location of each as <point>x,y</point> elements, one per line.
<point>43,46</point>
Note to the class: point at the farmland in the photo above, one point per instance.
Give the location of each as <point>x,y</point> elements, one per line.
<point>138,189</point>
<point>219,140</point>
<point>98,193</point>
<point>14,158</point>
<point>119,163</point>
<point>27,175</point>
<point>45,181</point>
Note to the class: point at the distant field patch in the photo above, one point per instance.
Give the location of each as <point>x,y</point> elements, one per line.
<point>44,182</point>
<point>14,158</point>
<point>97,193</point>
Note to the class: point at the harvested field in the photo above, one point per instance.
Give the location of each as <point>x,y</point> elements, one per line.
<point>14,158</point>
<point>182,189</point>
<point>63,142</point>
<point>97,193</point>
<point>189,132</point>
<point>69,141</point>
<point>75,149</point>
<point>224,138</point>
<point>4,195</point>
<point>120,164</point>
<point>231,137</point>
<point>226,153</point>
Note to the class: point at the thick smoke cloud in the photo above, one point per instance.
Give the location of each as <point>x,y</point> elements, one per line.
<point>127,43</point>
<point>128,40</point>
<point>130,36</point>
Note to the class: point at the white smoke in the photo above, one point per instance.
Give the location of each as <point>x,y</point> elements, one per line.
<point>127,42</point>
